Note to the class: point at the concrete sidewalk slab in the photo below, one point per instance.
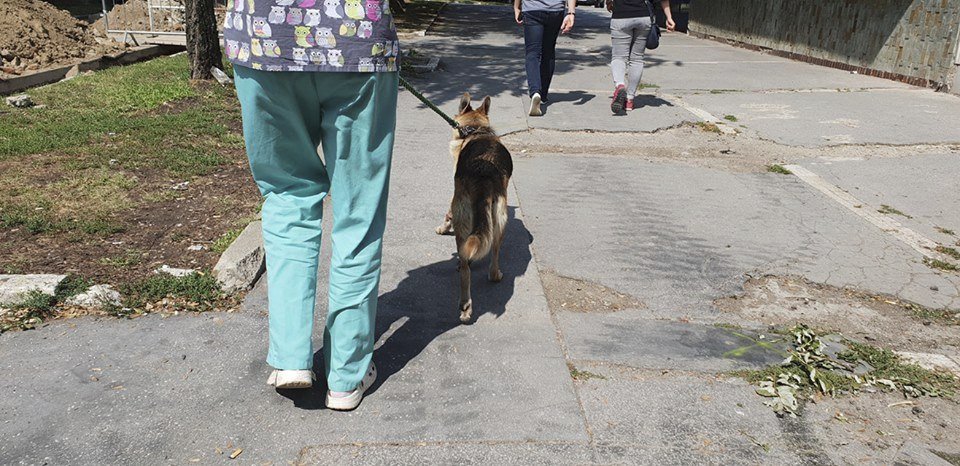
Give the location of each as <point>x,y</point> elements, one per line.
<point>620,338</point>
<point>816,119</point>
<point>687,64</point>
<point>568,106</point>
<point>923,187</point>
<point>678,237</point>
<point>682,419</point>
<point>527,453</point>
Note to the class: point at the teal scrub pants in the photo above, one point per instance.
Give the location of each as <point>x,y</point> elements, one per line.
<point>286,116</point>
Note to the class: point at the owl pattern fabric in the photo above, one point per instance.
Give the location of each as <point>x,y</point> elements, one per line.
<point>311,35</point>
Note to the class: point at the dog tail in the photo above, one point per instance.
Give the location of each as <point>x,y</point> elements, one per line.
<point>477,245</point>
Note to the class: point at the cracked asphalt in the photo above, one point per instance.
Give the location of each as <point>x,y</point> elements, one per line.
<point>609,339</point>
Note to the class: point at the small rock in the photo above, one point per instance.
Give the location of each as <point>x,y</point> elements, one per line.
<point>196,247</point>
<point>934,288</point>
<point>96,297</point>
<point>20,101</point>
<point>174,271</point>
<point>917,410</point>
<point>113,162</point>
<point>13,287</point>
<point>243,261</point>
<point>180,186</point>
<point>73,72</point>
<point>6,54</point>
<point>220,76</point>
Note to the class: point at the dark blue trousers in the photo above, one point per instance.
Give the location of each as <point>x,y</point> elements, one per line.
<point>540,31</point>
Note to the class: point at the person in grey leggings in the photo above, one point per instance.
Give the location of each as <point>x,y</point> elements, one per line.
<point>629,27</point>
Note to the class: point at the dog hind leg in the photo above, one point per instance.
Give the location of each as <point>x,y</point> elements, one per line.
<point>466,304</point>
<point>499,219</point>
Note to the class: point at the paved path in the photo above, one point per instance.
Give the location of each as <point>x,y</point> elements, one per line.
<point>539,378</point>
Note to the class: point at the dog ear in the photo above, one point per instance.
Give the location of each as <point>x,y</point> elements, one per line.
<point>485,106</point>
<point>465,103</point>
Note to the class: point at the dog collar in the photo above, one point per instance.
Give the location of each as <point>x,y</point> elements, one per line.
<point>466,131</point>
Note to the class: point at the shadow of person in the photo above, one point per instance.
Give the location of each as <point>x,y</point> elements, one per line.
<point>650,101</point>
<point>424,306</point>
<point>577,97</point>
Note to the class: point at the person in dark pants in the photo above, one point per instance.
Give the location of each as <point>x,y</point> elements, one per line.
<point>543,21</point>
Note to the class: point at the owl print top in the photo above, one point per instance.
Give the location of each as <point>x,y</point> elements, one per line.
<point>311,35</point>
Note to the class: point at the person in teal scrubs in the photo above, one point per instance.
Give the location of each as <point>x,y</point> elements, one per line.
<point>305,80</point>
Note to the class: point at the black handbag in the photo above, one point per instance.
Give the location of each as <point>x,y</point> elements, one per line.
<point>653,37</point>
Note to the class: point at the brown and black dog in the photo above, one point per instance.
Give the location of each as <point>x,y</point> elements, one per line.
<point>478,212</point>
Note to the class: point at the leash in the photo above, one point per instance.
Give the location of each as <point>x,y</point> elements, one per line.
<point>450,121</point>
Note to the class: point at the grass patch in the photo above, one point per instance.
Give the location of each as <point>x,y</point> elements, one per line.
<point>945,231</point>
<point>942,316</point>
<point>914,379</point>
<point>197,291</point>
<point>809,370</point>
<point>730,118</point>
<point>223,242</point>
<point>708,127</point>
<point>36,306</point>
<point>948,251</point>
<point>70,287</point>
<point>578,374</point>
<point>940,265</point>
<point>951,458</point>
<point>128,259</point>
<point>777,168</point>
<point>74,165</point>
<point>727,326</point>
<point>649,86</point>
<point>722,91</point>
<point>885,209</point>
<point>417,16</point>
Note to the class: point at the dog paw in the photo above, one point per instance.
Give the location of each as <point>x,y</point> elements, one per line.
<point>442,230</point>
<point>466,312</point>
<point>495,276</point>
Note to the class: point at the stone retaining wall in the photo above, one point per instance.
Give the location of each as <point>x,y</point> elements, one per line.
<point>910,40</point>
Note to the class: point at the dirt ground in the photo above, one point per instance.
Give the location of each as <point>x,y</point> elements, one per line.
<point>164,231</point>
<point>880,320</point>
<point>35,35</point>
<point>170,222</point>
<point>871,428</point>
<point>575,295</point>
<point>133,15</point>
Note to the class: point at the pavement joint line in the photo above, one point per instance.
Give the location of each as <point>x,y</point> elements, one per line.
<point>699,113</point>
<point>726,62</point>
<point>655,371</point>
<point>561,340</point>
<point>918,242</point>
<point>443,443</point>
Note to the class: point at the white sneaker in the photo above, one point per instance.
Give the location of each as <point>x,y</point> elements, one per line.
<point>345,401</point>
<point>291,379</point>
<point>535,105</point>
